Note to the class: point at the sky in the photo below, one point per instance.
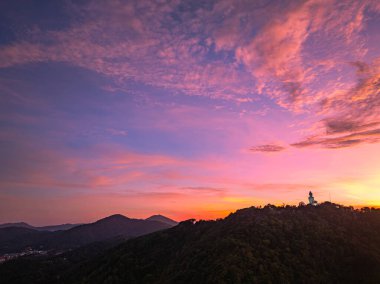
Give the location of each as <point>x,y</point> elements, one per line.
<point>190,109</point>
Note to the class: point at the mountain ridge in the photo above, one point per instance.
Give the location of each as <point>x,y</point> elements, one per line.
<point>162,218</point>
<point>107,228</point>
<point>50,228</point>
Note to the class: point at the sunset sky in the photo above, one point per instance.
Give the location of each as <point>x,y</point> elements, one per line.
<point>186,108</point>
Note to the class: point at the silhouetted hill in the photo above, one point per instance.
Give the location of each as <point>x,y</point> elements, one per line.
<point>107,228</point>
<point>19,224</point>
<point>16,239</point>
<point>50,228</point>
<point>53,228</point>
<point>323,244</point>
<point>162,219</point>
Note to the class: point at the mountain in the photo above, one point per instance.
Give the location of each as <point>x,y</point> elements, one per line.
<point>162,219</point>
<point>50,228</point>
<point>327,243</point>
<point>104,229</point>
<point>19,224</point>
<point>53,228</point>
<point>16,239</point>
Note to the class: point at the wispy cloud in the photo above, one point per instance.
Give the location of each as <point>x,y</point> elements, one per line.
<point>267,148</point>
<point>353,115</point>
<point>370,136</point>
<point>134,42</point>
<point>187,49</point>
<point>337,125</point>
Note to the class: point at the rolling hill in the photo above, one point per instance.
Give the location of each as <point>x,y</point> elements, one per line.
<point>104,229</point>
<point>51,228</point>
<point>162,219</point>
<point>15,239</point>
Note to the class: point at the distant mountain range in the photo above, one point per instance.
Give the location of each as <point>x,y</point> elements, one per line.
<point>52,228</point>
<point>162,219</point>
<point>15,237</point>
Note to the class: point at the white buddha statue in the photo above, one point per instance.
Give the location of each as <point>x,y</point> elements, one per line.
<point>311,199</point>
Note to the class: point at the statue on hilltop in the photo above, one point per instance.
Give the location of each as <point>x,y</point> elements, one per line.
<point>311,199</point>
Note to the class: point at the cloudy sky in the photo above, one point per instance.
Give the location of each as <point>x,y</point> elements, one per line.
<point>186,108</point>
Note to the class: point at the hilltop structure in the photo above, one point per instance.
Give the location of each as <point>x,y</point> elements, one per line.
<point>312,201</point>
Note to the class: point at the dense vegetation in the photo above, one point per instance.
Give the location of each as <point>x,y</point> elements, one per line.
<point>307,244</point>
<point>47,268</point>
<point>14,239</point>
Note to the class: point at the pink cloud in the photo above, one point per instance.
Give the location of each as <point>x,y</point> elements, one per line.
<point>268,148</point>
<point>136,41</point>
<point>352,116</point>
<point>126,50</point>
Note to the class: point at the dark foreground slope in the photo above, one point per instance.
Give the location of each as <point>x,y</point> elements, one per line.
<point>280,245</point>
<point>322,244</point>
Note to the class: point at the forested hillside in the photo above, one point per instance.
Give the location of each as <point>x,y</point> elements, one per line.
<point>322,244</point>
